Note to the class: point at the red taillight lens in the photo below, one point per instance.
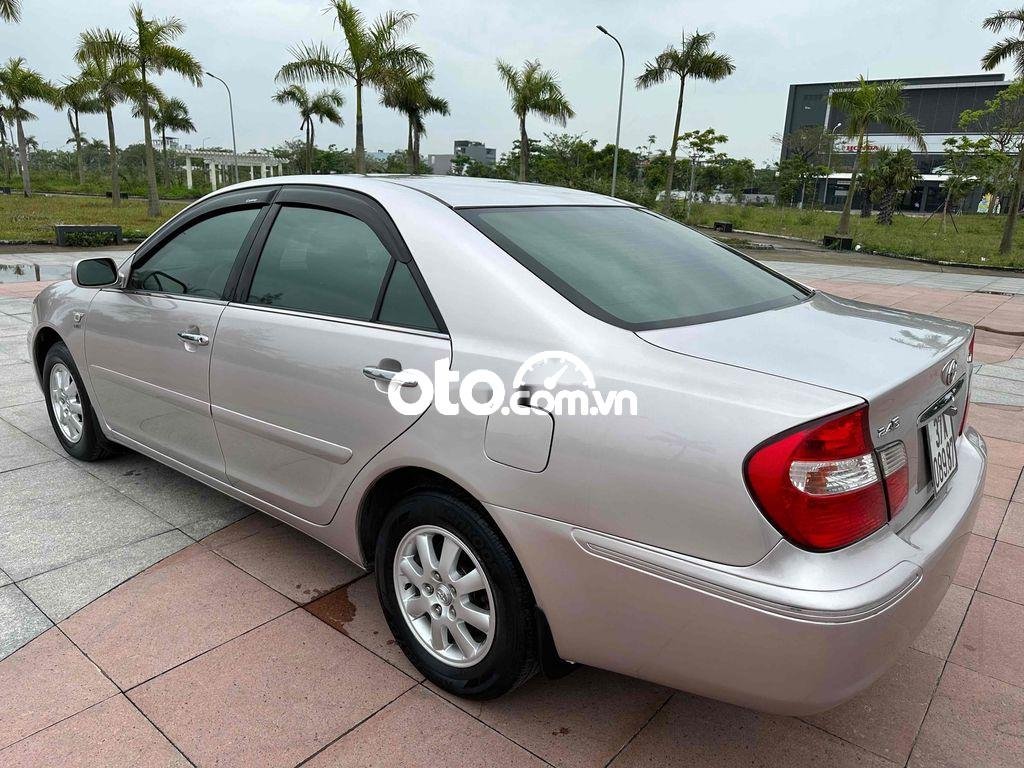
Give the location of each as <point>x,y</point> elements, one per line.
<point>967,397</point>
<point>896,475</point>
<point>820,484</point>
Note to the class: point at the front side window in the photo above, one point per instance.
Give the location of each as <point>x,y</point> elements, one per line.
<point>632,268</point>
<point>197,261</point>
<point>322,262</point>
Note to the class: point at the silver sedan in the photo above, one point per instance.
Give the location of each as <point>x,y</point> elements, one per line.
<point>560,428</point>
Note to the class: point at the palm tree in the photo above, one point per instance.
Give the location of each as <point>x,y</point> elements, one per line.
<point>410,94</point>
<point>895,173</point>
<point>169,114</point>
<point>10,10</point>
<point>20,84</point>
<point>325,105</point>
<point>6,117</point>
<point>863,105</point>
<point>692,59</point>
<point>374,54</point>
<point>113,82</point>
<point>149,47</point>
<point>535,90</point>
<point>1008,48</point>
<point>77,97</point>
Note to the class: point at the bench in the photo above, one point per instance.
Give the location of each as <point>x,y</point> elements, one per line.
<point>838,242</point>
<point>723,226</point>
<point>88,234</point>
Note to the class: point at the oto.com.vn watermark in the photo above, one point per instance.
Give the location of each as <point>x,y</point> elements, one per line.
<point>559,383</point>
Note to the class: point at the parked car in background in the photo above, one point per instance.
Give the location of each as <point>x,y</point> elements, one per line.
<point>774,524</point>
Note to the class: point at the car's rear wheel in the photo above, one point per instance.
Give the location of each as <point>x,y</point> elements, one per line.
<point>71,414</point>
<point>454,595</point>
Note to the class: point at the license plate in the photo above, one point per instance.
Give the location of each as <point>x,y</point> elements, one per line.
<point>941,449</point>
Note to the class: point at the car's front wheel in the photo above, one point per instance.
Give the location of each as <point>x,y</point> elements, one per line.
<point>71,414</point>
<point>454,595</point>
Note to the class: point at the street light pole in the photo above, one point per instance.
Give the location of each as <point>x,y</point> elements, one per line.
<point>618,121</point>
<point>831,146</point>
<point>231,111</point>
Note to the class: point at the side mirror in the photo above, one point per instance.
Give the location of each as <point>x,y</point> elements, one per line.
<point>98,272</point>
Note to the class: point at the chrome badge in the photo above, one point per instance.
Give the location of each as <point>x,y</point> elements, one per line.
<point>949,371</point>
<point>894,423</point>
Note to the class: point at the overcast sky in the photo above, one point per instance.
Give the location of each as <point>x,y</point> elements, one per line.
<point>772,43</point>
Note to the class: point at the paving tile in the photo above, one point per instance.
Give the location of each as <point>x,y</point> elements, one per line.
<point>990,639</point>
<point>18,383</point>
<point>4,579</point>
<point>61,592</point>
<point>975,556</point>
<point>111,734</point>
<point>44,682</point>
<point>20,621</point>
<point>19,450</point>
<point>1005,453</point>
<point>1004,574</point>
<point>1005,422</point>
<point>175,610</point>
<point>273,696</point>
<point>583,719</point>
<point>939,634</point>
<point>291,562</point>
<point>1000,481</point>
<point>421,729</point>
<point>254,523</point>
<point>355,611</point>
<point>1012,529</point>
<point>185,503</point>
<point>885,718</point>
<point>31,419</point>
<point>973,721</point>
<point>990,516</point>
<point>61,530</point>
<point>29,488</point>
<point>692,731</point>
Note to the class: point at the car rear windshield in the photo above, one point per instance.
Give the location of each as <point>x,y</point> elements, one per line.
<point>632,268</point>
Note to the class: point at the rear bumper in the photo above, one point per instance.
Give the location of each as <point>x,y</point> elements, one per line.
<point>795,633</point>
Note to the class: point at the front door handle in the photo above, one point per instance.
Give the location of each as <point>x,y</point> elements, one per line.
<point>386,376</point>
<point>193,337</point>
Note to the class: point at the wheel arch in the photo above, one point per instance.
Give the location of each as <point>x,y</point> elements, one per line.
<point>45,338</point>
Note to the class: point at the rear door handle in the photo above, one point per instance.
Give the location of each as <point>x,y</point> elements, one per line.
<point>200,339</point>
<point>383,374</point>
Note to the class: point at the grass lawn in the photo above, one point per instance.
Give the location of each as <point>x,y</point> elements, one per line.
<point>977,241</point>
<point>31,219</point>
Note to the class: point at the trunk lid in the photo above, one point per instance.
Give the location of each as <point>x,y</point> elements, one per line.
<point>891,358</point>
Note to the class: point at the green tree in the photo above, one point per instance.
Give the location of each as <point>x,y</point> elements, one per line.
<point>700,146</point>
<point>863,105</point>
<point>325,105</point>
<point>149,47</point>
<point>10,10</point>
<point>533,90</point>
<point>692,59</point>
<point>410,94</point>
<point>20,84</point>
<point>895,173</point>
<point>112,82</point>
<point>169,114</point>
<point>77,97</point>
<point>374,55</point>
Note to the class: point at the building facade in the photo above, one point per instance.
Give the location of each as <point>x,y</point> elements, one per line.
<point>441,165</point>
<point>934,102</point>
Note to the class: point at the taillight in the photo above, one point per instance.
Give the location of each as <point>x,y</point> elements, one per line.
<point>967,397</point>
<point>895,475</point>
<point>819,484</point>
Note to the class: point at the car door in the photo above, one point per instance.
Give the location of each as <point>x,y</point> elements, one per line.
<point>332,292</point>
<point>148,343</point>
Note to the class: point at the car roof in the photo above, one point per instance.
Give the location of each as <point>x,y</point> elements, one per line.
<point>453,191</point>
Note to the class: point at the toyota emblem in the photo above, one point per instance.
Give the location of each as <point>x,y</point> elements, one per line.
<point>949,371</point>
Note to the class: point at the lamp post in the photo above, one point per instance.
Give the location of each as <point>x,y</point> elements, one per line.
<point>831,146</point>
<point>231,111</point>
<point>618,121</point>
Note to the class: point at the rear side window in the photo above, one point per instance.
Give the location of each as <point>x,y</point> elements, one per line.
<point>197,261</point>
<point>322,262</point>
<point>632,268</point>
<point>403,302</point>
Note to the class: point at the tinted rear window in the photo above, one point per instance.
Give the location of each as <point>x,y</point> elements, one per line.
<point>632,268</point>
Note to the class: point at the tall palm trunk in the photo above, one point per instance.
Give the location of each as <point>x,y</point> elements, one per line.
<point>410,164</point>
<point>666,206</point>
<point>310,146</point>
<point>154,194</point>
<point>76,131</point>
<point>360,149</point>
<point>163,151</point>
<point>5,149</point>
<point>844,219</point>
<point>524,148</point>
<point>115,176</point>
<point>1006,244</point>
<point>416,152</point>
<point>26,182</point>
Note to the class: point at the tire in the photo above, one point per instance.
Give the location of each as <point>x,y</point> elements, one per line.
<point>503,658</point>
<point>90,443</point>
